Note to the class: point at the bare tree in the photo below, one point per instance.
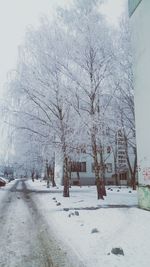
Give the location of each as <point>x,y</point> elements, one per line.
<point>125,98</point>
<point>44,90</point>
<point>88,69</point>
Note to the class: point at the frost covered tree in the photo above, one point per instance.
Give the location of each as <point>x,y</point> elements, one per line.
<point>45,92</point>
<point>65,71</point>
<point>88,69</point>
<point>125,97</point>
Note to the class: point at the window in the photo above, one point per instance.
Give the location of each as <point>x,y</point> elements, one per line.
<point>119,148</point>
<point>121,153</point>
<point>123,176</point>
<point>121,161</point>
<point>121,157</point>
<point>108,150</point>
<point>120,142</point>
<point>78,166</point>
<point>76,183</point>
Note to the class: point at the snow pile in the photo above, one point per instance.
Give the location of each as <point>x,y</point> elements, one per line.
<point>3,190</point>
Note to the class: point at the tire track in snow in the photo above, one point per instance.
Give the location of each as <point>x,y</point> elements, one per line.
<point>25,239</point>
<point>47,239</point>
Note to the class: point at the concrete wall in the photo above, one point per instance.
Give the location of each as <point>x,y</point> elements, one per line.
<point>88,177</point>
<point>58,170</point>
<point>140,26</point>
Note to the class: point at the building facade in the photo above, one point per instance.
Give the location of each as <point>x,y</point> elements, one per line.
<point>115,169</point>
<point>139,12</point>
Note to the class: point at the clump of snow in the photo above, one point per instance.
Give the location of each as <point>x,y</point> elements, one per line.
<point>76,213</point>
<point>66,209</point>
<point>94,230</point>
<point>117,251</point>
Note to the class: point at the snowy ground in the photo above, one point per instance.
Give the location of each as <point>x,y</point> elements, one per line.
<point>117,219</point>
<point>26,240</point>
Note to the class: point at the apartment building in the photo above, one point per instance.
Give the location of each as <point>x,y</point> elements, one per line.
<point>139,12</point>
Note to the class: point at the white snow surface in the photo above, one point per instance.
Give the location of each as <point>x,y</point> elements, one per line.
<point>118,226</point>
<point>124,227</point>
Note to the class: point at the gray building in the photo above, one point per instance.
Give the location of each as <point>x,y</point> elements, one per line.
<point>139,12</point>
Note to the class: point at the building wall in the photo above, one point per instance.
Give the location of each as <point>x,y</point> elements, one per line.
<point>133,4</point>
<point>88,177</point>
<point>58,170</point>
<point>140,23</point>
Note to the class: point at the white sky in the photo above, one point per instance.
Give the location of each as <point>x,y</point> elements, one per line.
<point>113,9</point>
<point>16,15</point>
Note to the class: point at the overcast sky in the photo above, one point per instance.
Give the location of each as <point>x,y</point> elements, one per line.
<point>16,15</point>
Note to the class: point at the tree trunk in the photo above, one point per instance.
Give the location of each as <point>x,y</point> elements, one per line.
<point>69,173</point>
<point>133,181</point>
<point>47,174</point>
<point>103,188</point>
<point>66,178</point>
<point>53,179</point>
<point>115,169</point>
<point>66,188</point>
<point>96,167</point>
<point>99,188</point>
<point>102,171</point>
<point>132,171</point>
<point>116,179</point>
<point>78,176</point>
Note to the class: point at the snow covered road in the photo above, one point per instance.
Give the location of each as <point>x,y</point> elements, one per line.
<point>39,227</point>
<point>25,239</point>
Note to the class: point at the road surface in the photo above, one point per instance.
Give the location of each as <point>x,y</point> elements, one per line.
<point>25,238</point>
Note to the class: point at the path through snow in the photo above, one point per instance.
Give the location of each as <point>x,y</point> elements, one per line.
<point>25,239</point>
